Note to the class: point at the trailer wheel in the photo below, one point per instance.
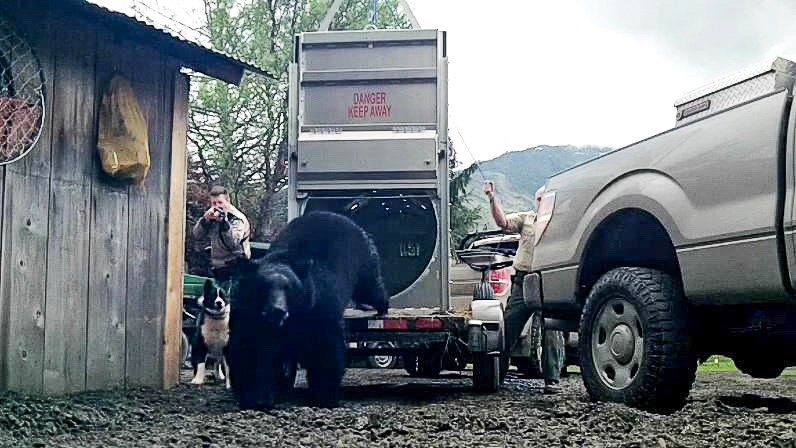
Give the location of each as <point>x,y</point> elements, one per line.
<point>425,365</point>
<point>486,373</point>
<point>635,340</point>
<point>383,361</point>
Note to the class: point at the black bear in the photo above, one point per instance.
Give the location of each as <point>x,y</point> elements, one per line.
<point>288,307</point>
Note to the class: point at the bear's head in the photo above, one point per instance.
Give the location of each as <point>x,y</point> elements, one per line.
<point>271,291</point>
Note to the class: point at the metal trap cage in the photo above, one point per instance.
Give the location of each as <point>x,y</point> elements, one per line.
<point>21,95</point>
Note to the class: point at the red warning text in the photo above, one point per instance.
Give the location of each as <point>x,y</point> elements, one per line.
<point>369,105</point>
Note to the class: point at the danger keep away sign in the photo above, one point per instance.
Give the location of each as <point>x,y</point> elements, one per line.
<point>370,104</point>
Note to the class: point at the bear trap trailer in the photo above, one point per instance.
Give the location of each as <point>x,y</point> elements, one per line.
<point>368,138</point>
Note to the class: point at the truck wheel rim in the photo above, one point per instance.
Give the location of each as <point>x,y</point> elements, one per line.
<point>617,343</point>
<point>382,361</point>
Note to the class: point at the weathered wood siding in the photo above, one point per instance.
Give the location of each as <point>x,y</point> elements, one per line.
<point>176,238</point>
<point>84,259</point>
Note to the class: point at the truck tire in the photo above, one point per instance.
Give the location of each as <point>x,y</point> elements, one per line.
<point>760,367</point>
<point>531,366</point>
<point>571,350</point>
<point>410,364</point>
<point>635,344</point>
<point>486,373</point>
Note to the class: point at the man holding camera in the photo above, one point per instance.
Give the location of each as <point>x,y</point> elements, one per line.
<point>228,230</point>
<point>517,313</point>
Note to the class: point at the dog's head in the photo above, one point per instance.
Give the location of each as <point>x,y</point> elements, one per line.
<point>214,300</point>
<point>276,290</point>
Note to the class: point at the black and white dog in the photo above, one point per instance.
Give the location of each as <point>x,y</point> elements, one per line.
<point>212,335</point>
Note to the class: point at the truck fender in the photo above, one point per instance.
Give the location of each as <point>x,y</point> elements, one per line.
<point>662,194</point>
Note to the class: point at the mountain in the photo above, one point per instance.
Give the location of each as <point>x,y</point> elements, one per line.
<point>519,174</point>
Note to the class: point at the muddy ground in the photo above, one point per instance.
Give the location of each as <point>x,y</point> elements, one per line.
<point>389,409</point>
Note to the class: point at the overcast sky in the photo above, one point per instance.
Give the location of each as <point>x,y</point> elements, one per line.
<point>601,72</point>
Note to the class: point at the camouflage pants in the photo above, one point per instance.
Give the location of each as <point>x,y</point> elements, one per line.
<point>517,314</point>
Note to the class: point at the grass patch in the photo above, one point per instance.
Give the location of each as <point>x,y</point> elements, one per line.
<point>721,364</point>
<point>714,364</point>
<point>717,364</point>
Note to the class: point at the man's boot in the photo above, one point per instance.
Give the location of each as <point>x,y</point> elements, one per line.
<point>551,387</point>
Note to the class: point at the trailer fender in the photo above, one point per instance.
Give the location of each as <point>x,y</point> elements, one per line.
<point>485,329</point>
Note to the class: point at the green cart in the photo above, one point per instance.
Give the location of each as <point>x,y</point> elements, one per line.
<point>192,290</point>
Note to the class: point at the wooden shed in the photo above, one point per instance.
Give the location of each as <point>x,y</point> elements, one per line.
<point>91,268</point>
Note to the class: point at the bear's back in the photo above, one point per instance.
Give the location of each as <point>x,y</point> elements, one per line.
<point>322,235</point>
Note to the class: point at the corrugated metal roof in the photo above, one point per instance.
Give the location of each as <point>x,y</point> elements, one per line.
<point>214,56</point>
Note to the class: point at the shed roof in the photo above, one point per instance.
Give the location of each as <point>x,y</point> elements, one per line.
<point>193,54</point>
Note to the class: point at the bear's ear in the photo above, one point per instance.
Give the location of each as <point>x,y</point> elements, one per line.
<point>308,290</point>
<point>301,290</point>
<point>246,266</point>
<point>302,268</point>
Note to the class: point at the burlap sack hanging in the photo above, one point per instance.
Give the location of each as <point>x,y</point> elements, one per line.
<point>123,142</point>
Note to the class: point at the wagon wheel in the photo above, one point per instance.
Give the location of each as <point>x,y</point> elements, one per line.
<point>21,95</point>
<point>185,349</point>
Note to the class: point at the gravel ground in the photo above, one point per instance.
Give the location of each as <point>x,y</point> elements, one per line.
<point>387,408</point>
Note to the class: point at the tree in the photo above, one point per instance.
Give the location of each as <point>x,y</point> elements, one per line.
<point>464,215</point>
<point>238,135</point>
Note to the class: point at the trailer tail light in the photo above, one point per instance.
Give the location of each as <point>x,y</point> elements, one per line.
<point>428,324</point>
<point>422,323</point>
<point>544,215</point>
<point>500,281</point>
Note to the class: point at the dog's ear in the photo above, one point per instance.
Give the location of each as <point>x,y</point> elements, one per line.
<point>209,289</point>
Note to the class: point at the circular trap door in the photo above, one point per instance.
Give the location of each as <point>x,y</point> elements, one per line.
<point>404,230</point>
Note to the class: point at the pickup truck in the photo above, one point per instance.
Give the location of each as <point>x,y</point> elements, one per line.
<point>679,246</point>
